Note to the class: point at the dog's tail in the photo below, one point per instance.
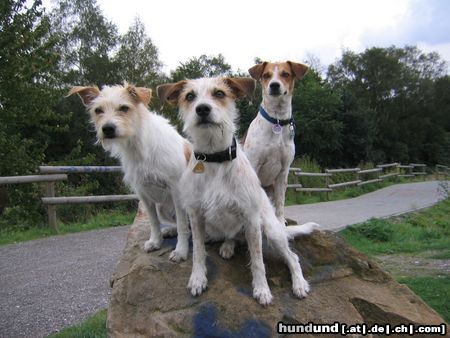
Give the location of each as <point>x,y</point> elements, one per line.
<point>294,231</point>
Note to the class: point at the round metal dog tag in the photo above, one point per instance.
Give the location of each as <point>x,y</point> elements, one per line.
<point>276,129</point>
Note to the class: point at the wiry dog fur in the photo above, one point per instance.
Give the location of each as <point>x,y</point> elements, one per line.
<point>150,150</point>
<point>227,197</point>
<point>271,154</point>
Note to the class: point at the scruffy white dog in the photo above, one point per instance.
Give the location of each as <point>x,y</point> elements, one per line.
<point>269,142</point>
<point>152,154</point>
<point>221,191</point>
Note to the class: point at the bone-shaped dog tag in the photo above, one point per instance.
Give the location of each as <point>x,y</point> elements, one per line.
<point>199,167</point>
<point>291,131</point>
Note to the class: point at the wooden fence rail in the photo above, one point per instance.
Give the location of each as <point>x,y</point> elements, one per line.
<point>52,174</point>
<point>362,177</point>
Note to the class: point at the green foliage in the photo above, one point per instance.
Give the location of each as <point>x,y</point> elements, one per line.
<point>392,105</point>
<point>433,290</point>
<point>319,133</point>
<point>416,232</point>
<point>202,66</point>
<point>93,327</point>
<point>137,58</point>
<point>375,230</point>
<point>102,219</point>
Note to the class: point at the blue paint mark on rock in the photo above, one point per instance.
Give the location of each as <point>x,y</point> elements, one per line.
<point>206,325</point>
<point>245,291</point>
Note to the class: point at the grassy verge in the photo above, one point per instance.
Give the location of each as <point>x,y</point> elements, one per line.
<point>93,327</point>
<point>412,233</point>
<point>415,234</point>
<point>434,291</point>
<point>104,219</point>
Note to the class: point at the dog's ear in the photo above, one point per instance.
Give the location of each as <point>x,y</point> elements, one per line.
<point>257,70</point>
<point>241,86</point>
<point>170,92</point>
<point>139,94</point>
<point>299,69</point>
<point>87,94</point>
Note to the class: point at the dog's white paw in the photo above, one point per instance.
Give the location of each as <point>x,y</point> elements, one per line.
<point>226,250</point>
<point>197,283</point>
<point>262,295</point>
<point>178,256</point>
<point>300,288</point>
<point>152,245</point>
<point>169,232</point>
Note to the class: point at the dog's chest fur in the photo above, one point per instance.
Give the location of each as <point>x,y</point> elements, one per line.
<point>225,201</point>
<point>269,153</point>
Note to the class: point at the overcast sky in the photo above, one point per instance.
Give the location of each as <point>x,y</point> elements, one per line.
<point>279,30</point>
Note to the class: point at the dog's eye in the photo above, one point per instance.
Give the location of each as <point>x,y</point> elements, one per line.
<point>98,111</point>
<point>190,97</point>
<point>124,109</point>
<point>219,94</point>
<point>285,74</point>
<point>267,76</point>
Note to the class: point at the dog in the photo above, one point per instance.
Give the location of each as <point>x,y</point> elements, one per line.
<point>269,142</point>
<point>152,153</point>
<point>221,190</point>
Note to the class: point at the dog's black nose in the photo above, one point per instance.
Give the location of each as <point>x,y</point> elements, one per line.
<point>203,110</point>
<point>109,130</point>
<point>274,86</point>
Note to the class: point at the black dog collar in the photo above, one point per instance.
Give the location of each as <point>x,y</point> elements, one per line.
<point>228,154</point>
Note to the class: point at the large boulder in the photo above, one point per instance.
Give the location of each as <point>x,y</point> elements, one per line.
<point>150,298</point>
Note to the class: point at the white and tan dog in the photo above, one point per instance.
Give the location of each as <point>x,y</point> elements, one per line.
<point>269,142</point>
<point>152,153</point>
<point>221,191</point>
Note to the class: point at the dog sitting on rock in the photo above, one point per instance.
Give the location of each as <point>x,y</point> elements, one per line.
<point>221,191</point>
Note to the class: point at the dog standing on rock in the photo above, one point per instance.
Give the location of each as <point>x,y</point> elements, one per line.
<point>152,153</point>
<point>269,142</point>
<point>221,192</point>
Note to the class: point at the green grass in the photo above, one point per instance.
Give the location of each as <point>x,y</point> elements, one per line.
<point>104,219</point>
<point>434,291</point>
<point>411,234</point>
<point>93,327</point>
<point>417,234</point>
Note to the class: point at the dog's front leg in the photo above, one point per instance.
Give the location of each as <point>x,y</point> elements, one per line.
<point>155,240</point>
<point>261,291</point>
<point>198,280</point>
<point>181,250</point>
<point>279,194</point>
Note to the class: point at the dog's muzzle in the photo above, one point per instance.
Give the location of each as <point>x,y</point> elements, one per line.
<point>109,130</point>
<point>274,89</point>
<point>203,111</point>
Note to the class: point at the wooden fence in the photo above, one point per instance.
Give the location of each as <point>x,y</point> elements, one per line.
<point>360,177</point>
<point>49,175</point>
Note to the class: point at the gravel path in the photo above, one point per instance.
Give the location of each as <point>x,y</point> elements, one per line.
<point>51,283</point>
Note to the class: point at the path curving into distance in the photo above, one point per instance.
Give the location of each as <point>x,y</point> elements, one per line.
<point>51,283</point>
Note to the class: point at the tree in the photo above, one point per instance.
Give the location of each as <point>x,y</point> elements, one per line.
<point>202,66</point>
<point>27,61</point>
<point>137,59</point>
<point>86,42</point>
<point>315,108</point>
<point>394,89</point>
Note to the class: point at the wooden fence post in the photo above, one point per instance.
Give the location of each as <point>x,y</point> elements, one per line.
<point>51,209</point>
